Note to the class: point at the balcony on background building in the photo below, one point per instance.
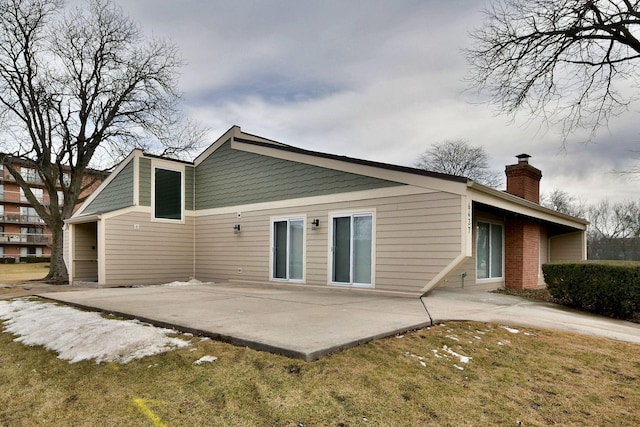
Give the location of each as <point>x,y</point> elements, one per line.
<point>25,239</point>
<point>16,218</point>
<point>19,197</point>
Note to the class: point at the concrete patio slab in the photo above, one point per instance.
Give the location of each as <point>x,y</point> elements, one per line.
<point>295,321</point>
<point>309,322</point>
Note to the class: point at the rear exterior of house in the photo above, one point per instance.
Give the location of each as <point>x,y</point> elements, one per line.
<point>251,209</point>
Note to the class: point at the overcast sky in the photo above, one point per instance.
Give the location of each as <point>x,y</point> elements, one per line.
<point>378,80</point>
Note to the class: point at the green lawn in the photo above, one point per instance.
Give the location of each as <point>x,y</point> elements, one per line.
<point>11,274</point>
<point>533,377</point>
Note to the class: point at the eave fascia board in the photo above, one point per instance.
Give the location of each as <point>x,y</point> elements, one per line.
<point>233,131</point>
<point>492,197</point>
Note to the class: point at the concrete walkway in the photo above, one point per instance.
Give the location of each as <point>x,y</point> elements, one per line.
<point>309,322</point>
<point>444,305</point>
<point>296,321</point>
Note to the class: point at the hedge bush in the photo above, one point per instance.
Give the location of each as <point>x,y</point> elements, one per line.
<point>611,288</point>
<point>34,259</point>
<point>7,260</point>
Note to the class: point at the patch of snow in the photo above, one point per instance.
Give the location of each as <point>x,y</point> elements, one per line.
<point>205,359</point>
<point>463,359</point>
<point>192,282</point>
<point>500,343</point>
<point>530,334</point>
<point>399,336</point>
<point>435,353</point>
<point>512,330</point>
<point>451,337</point>
<point>80,335</point>
<point>478,338</point>
<point>458,367</point>
<point>424,365</point>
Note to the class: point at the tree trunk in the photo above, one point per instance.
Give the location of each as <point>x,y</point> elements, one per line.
<point>57,270</point>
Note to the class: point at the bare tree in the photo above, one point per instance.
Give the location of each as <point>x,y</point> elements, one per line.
<point>564,202</point>
<point>614,231</point>
<point>459,157</point>
<point>572,61</point>
<point>615,220</point>
<point>78,84</point>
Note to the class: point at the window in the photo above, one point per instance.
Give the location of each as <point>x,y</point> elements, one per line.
<point>28,214</point>
<point>352,249</point>
<point>489,251</point>
<point>31,251</point>
<point>30,175</point>
<point>168,194</point>
<point>288,249</point>
<point>37,192</point>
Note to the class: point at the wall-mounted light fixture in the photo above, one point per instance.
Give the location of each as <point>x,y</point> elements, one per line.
<point>236,228</point>
<point>315,224</point>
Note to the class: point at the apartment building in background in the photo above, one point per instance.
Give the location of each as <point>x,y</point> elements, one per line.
<point>22,232</point>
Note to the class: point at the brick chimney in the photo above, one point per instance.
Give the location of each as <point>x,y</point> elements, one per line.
<point>523,180</point>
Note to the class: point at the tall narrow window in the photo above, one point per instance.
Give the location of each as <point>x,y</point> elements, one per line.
<point>489,257</point>
<point>288,249</point>
<point>168,194</point>
<point>352,249</point>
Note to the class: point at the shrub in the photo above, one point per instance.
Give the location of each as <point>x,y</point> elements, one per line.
<point>7,260</point>
<point>603,287</point>
<point>34,259</point>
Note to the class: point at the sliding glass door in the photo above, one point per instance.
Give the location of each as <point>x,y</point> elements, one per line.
<point>352,249</point>
<point>288,249</point>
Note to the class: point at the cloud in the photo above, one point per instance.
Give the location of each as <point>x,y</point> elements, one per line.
<point>375,80</point>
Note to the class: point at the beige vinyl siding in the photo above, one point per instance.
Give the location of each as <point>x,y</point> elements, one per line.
<point>66,246</point>
<point>416,237</point>
<point>566,247</point>
<point>85,254</point>
<point>156,252</point>
<point>231,177</point>
<point>144,181</point>
<point>116,195</point>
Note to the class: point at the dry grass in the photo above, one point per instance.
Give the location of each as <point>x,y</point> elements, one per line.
<point>11,274</point>
<point>533,377</point>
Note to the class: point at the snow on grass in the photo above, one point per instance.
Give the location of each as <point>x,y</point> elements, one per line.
<point>79,335</point>
<point>205,359</point>
<point>508,329</point>
<point>463,359</point>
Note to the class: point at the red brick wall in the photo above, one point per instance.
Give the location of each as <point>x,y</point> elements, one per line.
<point>522,249</point>
<point>523,180</point>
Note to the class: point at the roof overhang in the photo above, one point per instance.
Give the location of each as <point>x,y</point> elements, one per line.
<point>508,202</point>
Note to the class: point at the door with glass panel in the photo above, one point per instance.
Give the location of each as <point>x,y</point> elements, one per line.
<point>352,249</point>
<point>288,249</point>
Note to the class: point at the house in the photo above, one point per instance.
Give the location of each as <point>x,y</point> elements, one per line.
<point>22,232</point>
<point>249,209</point>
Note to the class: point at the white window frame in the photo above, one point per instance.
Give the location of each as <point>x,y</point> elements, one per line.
<point>272,221</point>
<point>159,164</point>
<point>490,279</point>
<point>352,214</point>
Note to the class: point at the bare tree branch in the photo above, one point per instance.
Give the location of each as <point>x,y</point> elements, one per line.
<point>570,62</point>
